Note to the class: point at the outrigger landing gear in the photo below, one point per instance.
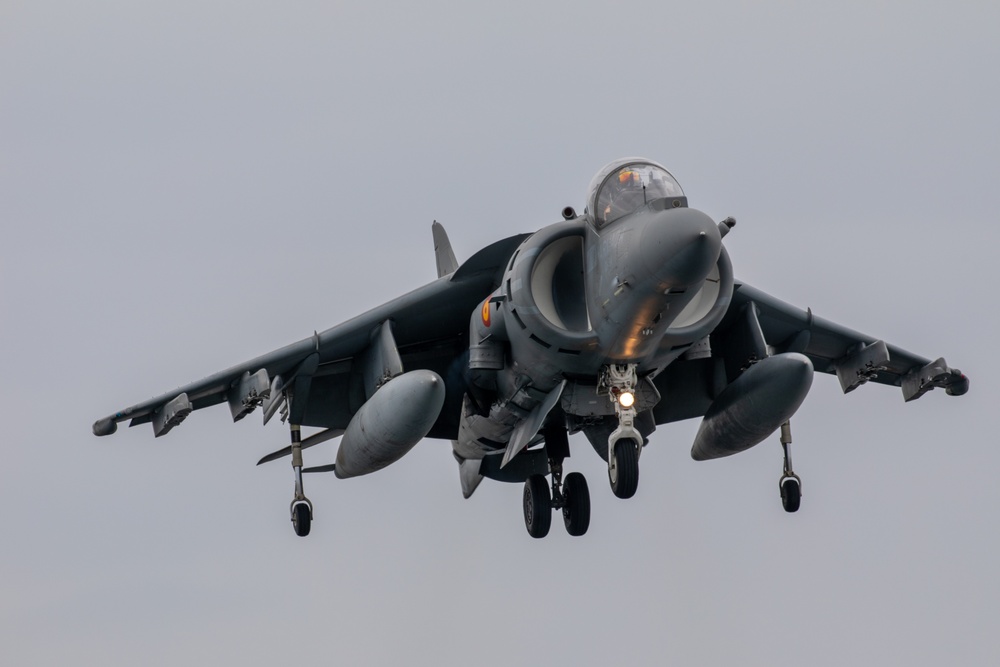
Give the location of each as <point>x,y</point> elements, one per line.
<point>571,496</point>
<point>790,484</point>
<point>301,507</point>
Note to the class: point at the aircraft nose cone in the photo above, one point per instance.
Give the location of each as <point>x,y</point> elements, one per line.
<point>680,246</point>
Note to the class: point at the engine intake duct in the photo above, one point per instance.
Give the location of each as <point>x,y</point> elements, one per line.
<point>557,284</point>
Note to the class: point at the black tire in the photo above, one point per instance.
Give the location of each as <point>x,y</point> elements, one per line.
<point>624,477</point>
<point>537,506</point>
<point>301,519</point>
<point>576,511</point>
<point>791,494</point>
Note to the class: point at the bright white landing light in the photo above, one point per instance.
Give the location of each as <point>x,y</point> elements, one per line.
<point>626,399</point>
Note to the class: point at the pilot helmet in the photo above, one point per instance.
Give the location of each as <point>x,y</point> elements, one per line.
<point>629,178</point>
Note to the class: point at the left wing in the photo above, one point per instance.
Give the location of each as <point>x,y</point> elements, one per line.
<point>758,325</point>
<point>854,357</point>
<point>428,326</point>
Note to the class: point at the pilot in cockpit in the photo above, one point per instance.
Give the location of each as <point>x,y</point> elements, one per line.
<point>627,193</point>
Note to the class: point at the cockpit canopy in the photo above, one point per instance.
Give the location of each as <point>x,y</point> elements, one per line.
<point>627,185</point>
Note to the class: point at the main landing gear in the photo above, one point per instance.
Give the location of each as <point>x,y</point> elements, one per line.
<point>573,499</point>
<point>790,484</point>
<point>301,508</point>
<point>572,496</point>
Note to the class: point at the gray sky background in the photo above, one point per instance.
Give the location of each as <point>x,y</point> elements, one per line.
<point>185,185</point>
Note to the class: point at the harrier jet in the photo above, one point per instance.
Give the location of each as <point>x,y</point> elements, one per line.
<point>607,323</point>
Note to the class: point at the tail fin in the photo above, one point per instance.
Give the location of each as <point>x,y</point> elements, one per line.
<point>445,256</point>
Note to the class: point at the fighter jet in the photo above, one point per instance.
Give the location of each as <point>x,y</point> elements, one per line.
<point>607,323</point>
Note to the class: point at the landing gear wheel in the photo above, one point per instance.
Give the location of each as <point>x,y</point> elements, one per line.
<point>623,469</point>
<point>537,506</point>
<point>791,494</point>
<point>301,519</point>
<point>576,511</point>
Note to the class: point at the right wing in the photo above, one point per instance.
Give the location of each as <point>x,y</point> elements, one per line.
<point>428,325</point>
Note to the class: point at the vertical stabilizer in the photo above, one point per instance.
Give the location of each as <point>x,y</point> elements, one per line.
<point>443,254</point>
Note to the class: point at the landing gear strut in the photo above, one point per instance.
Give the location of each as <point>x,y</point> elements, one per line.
<point>790,484</point>
<point>301,507</point>
<point>571,496</point>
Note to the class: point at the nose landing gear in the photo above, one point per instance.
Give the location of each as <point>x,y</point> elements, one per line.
<point>623,468</point>
<point>625,442</point>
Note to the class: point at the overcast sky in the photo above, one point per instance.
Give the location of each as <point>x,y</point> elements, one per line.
<point>185,185</point>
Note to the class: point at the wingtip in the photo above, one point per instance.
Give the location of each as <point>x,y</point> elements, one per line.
<point>959,385</point>
<point>105,426</point>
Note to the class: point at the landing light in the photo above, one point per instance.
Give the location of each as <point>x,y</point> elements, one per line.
<point>626,399</point>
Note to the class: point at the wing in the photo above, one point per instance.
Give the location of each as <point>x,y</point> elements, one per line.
<point>428,326</point>
<point>757,324</point>
<point>854,357</point>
